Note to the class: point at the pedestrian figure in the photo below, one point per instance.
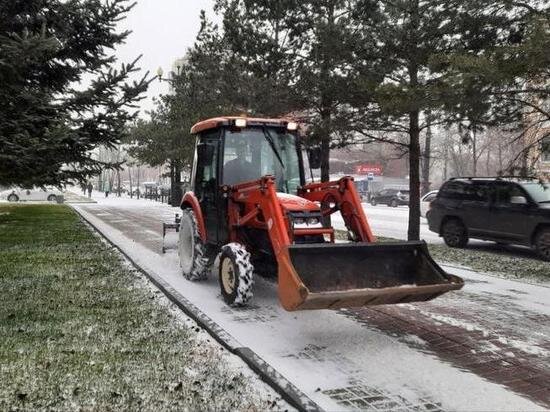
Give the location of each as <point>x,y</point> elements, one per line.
<point>90,188</point>
<point>106,189</point>
<point>83,188</point>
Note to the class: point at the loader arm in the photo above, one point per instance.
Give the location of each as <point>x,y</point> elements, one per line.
<point>343,195</point>
<point>265,212</point>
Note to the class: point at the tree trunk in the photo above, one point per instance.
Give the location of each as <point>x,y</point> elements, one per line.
<point>119,182</point>
<point>325,159</point>
<point>474,150</point>
<point>137,186</point>
<point>130,179</point>
<point>413,232</point>
<point>175,184</point>
<point>427,158</point>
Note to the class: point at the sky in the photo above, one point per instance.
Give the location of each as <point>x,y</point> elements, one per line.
<point>162,30</point>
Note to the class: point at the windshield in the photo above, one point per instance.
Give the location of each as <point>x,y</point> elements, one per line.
<point>540,192</point>
<point>255,152</point>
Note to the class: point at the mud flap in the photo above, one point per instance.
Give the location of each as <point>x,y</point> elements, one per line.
<point>333,276</point>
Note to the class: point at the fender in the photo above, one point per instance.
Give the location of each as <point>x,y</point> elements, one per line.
<point>190,201</point>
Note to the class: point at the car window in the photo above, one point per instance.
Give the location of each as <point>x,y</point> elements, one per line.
<point>503,192</point>
<point>472,191</point>
<point>538,191</point>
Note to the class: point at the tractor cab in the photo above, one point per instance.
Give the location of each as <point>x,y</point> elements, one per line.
<point>231,151</point>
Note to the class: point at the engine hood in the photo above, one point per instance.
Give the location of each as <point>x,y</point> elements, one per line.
<point>294,203</point>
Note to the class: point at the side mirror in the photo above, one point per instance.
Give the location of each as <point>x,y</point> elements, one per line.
<point>314,155</point>
<point>518,200</point>
<point>205,153</point>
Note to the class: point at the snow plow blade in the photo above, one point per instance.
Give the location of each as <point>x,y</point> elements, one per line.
<point>334,276</point>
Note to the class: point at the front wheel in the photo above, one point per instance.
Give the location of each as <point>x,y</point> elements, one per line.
<point>13,198</point>
<point>542,244</point>
<point>52,198</point>
<point>454,233</point>
<point>393,203</point>
<point>191,249</point>
<point>373,202</point>
<point>235,274</point>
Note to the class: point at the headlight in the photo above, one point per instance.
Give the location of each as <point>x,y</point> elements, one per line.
<point>312,221</point>
<point>299,221</point>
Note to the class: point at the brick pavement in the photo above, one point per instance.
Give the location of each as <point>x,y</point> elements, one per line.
<point>487,339</point>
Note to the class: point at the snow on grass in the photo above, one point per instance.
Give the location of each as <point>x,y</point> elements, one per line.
<point>82,330</point>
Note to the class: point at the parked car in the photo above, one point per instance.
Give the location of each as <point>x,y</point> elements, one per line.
<point>503,210</point>
<point>36,193</point>
<point>425,202</point>
<point>390,197</point>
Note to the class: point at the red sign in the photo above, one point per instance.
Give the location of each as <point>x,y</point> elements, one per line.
<point>367,168</point>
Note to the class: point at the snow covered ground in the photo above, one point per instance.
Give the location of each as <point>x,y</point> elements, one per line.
<point>408,357</point>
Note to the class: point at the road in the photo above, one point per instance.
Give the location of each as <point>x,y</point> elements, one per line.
<point>390,222</point>
<point>486,347</point>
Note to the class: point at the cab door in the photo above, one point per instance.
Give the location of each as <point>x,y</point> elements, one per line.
<point>206,181</point>
<point>510,220</point>
<point>475,207</point>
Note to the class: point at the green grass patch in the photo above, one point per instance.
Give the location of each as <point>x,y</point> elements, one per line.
<point>81,330</point>
<point>512,262</point>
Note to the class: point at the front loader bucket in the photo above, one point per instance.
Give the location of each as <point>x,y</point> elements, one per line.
<point>342,275</point>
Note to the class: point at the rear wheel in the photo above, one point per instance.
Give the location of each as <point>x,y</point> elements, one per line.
<point>52,198</point>
<point>191,249</point>
<point>13,198</point>
<point>393,203</point>
<point>454,233</point>
<point>542,244</point>
<point>373,202</point>
<point>236,274</point>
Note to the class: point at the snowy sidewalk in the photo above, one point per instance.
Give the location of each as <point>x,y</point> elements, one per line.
<point>483,348</point>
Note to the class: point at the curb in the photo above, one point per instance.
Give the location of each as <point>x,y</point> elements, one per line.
<point>266,372</point>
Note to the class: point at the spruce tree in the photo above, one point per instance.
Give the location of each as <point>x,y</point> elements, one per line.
<point>60,95</point>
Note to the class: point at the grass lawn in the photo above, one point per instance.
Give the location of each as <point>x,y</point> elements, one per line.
<point>81,330</point>
<point>512,262</point>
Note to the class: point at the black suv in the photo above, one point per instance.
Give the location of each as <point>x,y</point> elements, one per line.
<point>390,197</point>
<point>504,210</point>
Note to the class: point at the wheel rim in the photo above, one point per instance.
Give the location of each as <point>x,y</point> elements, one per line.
<point>544,245</point>
<point>12,198</point>
<point>186,246</point>
<point>51,198</point>
<point>228,276</point>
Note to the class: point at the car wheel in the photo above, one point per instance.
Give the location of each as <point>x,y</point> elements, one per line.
<point>393,203</point>
<point>235,274</point>
<point>13,198</point>
<point>52,198</point>
<point>542,244</point>
<point>191,249</point>
<point>454,233</point>
<point>373,202</point>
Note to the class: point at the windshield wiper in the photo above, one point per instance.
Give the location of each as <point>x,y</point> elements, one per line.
<point>272,144</point>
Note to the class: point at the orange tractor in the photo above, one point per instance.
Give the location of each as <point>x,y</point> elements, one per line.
<point>252,212</point>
